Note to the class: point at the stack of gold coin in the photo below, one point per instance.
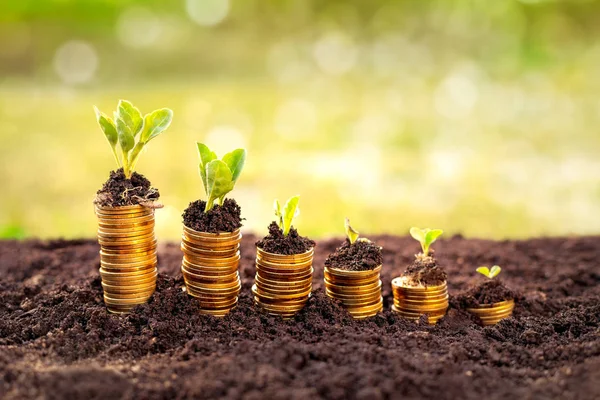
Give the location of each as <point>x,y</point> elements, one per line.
<point>491,314</point>
<point>359,291</point>
<point>283,283</point>
<point>413,301</point>
<point>210,269</point>
<point>127,256</point>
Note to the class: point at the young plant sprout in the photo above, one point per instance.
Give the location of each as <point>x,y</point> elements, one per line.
<point>131,132</point>
<point>286,216</point>
<point>350,232</point>
<point>426,237</point>
<point>219,176</point>
<point>489,272</point>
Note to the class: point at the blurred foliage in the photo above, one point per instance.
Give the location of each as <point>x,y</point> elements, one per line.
<point>476,116</point>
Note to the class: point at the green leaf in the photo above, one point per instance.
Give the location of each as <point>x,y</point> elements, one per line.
<point>205,156</point>
<point>278,214</point>
<point>155,123</point>
<point>290,211</point>
<point>431,235</point>
<point>418,234</point>
<point>131,116</point>
<point>108,127</point>
<point>483,270</point>
<point>351,233</point>
<point>135,155</point>
<point>494,271</point>
<point>235,161</point>
<point>219,181</point>
<point>126,139</point>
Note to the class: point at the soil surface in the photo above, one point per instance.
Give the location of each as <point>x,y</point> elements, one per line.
<point>225,218</point>
<point>275,242</point>
<point>362,255</point>
<point>488,292</point>
<point>425,271</point>
<point>58,342</point>
<point>119,191</point>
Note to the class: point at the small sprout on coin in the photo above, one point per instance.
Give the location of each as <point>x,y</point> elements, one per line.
<point>285,216</point>
<point>489,272</point>
<point>219,176</point>
<point>426,237</point>
<point>350,232</point>
<point>129,132</point>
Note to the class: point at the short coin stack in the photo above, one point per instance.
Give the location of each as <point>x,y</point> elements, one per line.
<point>491,314</point>
<point>413,301</point>
<point>127,256</point>
<point>210,269</point>
<point>283,283</point>
<point>359,291</point>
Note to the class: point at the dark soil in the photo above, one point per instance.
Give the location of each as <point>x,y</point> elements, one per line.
<point>362,255</point>
<point>58,342</point>
<point>425,271</point>
<point>119,191</point>
<point>488,292</point>
<point>276,243</point>
<point>225,218</point>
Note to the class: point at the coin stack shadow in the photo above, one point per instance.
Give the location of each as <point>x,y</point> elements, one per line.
<point>283,283</point>
<point>359,291</point>
<point>413,301</point>
<point>491,314</point>
<point>210,269</point>
<point>128,261</point>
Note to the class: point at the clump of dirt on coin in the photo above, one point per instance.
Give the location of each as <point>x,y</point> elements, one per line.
<point>220,218</point>
<point>489,292</point>
<point>119,191</point>
<point>425,271</point>
<point>362,255</point>
<point>276,242</point>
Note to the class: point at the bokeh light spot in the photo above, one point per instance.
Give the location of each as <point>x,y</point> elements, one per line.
<point>207,12</point>
<point>76,62</point>
<point>138,27</point>
<point>335,53</point>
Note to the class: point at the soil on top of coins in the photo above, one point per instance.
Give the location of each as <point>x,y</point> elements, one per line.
<point>119,191</point>
<point>276,242</point>
<point>361,255</point>
<point>425,271</point>
<point>57,341</point>
<point>220,218</point>
<point>488,292</point>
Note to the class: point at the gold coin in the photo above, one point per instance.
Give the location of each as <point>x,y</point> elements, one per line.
<point>210,297</point>
<point>130,289</point>
<point>209,253</point>
<point>123,228</point>
<point>112,242</point>
<point>214,304</point>
<point>213,261</point>
<point>210,272</point>
<point>361,283</point>
<point>284,258</point>
<point>128,253</point>
<point>348,274</point>
<point>116,302</point>
<point>280,308</point>
<point>135,246</point>
<point>196,247</point>
<point>277,292</point>
<point>125,222</point>
<point>125,234</point>
<point>129,280</point>
<point>266,295</point>
<point>208,235</point>
<point>304,269</point>
<point>417,315</point>
<point>283,266</point>
<point>422,302</point>
<point>282,284</point>
<point>201,292</point>
<point>216,287</point>
<point>355,298</point>
<point>348,290</point>
<point>127,258</point>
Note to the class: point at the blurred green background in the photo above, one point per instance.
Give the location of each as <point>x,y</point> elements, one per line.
<point>479,117</point>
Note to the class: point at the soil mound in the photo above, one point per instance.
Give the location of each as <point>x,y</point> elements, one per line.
<point>362,255</point>
<point>119,191</point>
<point>276,242</point>
<point>225,218</point>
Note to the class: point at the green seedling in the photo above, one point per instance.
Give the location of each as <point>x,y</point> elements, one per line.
<point>489,272</point>
<point>219,176</point>
<point>129,132</point>
<point>286,216</point>
<point>426,237</point>
<point>350,232</point>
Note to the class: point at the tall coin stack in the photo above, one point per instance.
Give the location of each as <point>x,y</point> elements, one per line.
<point>128,262</point>
<point>413,301</point>
<point>359,291</point>
<point>283,283</point>
<point>210,269</point>
<point>491,314</point>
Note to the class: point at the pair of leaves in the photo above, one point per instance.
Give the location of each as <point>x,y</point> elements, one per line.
<point>285,216</point>
<point>127,126</point>
<point>219,176</point>
<point>350,232</point>
<point>426,237</point>
<point>490,273</point>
